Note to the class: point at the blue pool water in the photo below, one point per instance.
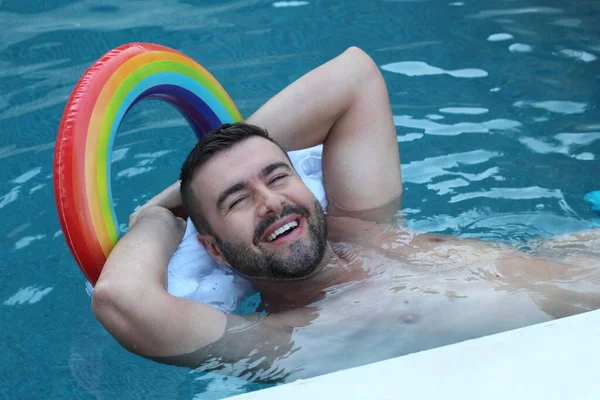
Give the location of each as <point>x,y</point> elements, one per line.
<point>495,102</point>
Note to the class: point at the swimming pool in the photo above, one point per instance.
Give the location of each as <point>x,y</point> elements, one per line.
<point>496,107</point>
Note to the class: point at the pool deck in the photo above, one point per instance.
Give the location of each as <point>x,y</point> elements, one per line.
<point>559,359</point>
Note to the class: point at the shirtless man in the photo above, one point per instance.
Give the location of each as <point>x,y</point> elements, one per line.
<point>340,288</point>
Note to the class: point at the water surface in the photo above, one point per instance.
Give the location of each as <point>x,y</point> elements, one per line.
<point>495,103</point>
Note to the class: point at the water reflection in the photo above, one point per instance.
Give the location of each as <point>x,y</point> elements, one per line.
<point>568,22</point>
<point>28,295</point>
<point>419,68</point>
<point>436,128</point>
<point>464,110</point>
<point>567,142</point>
<point>453,178</point>
<point>424,171</point>
<point>279,4</point>
<point>520,48</point>
<point>167,14</point>
<point>554,106</point>
<point>578,55</point>
<point>498,37</point>
<point>516,11</point>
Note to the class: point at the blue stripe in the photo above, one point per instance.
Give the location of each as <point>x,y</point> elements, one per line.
<point>199,106</point>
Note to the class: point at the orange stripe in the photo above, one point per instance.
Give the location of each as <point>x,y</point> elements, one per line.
<point>94,128</point>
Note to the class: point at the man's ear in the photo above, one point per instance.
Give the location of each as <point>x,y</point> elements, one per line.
<point>210,244</point>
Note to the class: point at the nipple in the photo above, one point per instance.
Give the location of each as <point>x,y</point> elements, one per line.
<point>409,318</point>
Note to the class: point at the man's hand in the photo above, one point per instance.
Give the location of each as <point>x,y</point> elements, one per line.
<point>169,199</point>
<point>149,210</point>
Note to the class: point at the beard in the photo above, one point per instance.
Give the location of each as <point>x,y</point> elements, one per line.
<point>304,258</point>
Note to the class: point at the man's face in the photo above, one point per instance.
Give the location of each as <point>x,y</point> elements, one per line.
<point>267,224</point>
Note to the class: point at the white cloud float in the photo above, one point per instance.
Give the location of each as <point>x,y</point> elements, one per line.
<point>419,68</point>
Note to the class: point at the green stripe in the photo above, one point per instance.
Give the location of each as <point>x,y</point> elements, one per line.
<point>128,84</point>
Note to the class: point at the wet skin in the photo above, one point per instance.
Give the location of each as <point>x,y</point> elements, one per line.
<point>388,291</point>
<point>381,290</point>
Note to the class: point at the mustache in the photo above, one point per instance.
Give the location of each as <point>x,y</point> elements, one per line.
<point>288,209</point>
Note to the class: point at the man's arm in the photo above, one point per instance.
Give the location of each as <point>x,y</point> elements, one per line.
<point>130,298</point>
<point>131,301</point>
<point>343,104</point>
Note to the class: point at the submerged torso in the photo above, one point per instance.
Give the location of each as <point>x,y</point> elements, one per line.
<point>404,292</point>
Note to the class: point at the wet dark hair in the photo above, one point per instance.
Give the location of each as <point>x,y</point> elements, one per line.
<point>218,140</point>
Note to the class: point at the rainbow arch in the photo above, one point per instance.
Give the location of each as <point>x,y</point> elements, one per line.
<point>98,104</point>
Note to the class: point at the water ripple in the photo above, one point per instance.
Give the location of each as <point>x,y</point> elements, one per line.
<point>520,48</point>
<point>419,68</point>
<point>28,295</point>
<point>170,15</point>
<point>425,170</point>
<point>498,37</point>
<point>534,192</point>
<point>436,128</point>
<point>464,110</point>
<point>282,4</point>
<point>27,175</point>
<point>554,106</point>
<point>517,11</point>
<point>567,142</point>
<point>578,55</point>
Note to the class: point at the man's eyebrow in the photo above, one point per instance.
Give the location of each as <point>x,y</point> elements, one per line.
<point>228,192</point>
<point>243,185</point>
<point>272,167</point>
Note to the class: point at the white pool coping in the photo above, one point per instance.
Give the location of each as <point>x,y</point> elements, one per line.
<point>557,360</point>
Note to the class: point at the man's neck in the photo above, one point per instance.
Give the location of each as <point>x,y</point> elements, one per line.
<point>281,296</point>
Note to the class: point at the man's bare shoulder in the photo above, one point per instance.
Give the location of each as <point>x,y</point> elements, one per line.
<point>393,237</point>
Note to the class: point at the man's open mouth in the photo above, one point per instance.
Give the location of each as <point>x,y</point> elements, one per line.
<point>284,230</point>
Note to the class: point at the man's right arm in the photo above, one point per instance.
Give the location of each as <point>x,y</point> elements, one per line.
<point>131,301</point>
<point>130,298</point>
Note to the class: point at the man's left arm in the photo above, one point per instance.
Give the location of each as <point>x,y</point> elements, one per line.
<point>344,105</point>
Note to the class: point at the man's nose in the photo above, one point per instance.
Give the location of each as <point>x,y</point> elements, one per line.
<point>270,202</point>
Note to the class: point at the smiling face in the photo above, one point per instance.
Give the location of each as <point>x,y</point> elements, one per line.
<point>265,223</point>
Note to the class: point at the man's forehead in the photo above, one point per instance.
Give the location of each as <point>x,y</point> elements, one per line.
<point>242,162</point>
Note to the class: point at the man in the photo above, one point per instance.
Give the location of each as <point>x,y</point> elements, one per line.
<point>339,289</point>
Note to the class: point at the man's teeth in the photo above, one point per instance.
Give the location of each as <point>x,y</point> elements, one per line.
<point>285,228</point>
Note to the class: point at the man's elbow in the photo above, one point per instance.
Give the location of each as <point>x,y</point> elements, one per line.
<point>102,300</point>
<point>109,308</point>
<point>362,64</point>
<point>359,58</point>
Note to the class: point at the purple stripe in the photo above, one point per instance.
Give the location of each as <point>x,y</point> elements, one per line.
<point>198,114</point>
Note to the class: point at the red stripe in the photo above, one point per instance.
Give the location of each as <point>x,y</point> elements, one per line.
<point>69,157</point>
